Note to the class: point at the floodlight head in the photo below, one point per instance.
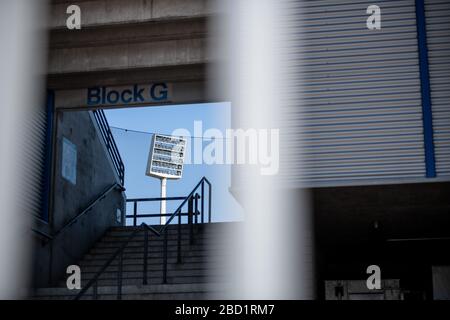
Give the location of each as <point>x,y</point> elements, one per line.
<point>166,157</point>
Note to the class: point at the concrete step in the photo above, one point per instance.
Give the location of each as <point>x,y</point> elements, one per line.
<point>206,226</point>
<point>187,258</point>
<point>212,229</point>
<point>184,238</point>
<point>135,292</point>
<point>156,243</point>
<point>138,296</point>
<point>202,264</point>
<point>197,236</point>
<point>139,267</point>
<point>160,242</point>
<point>137,253</point>
<point>154,251</point>
<point>127,231</point>
<point>138,280</point>
<point>110,274</point>
<point>171,237</point>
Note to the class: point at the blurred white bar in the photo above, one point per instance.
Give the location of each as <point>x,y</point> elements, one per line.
<point>22,66</point>
<point>254,41</point>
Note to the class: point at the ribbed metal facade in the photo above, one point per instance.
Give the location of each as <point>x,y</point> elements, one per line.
<point>362,115</point>
<point>437,13</point>
<point>36,161</point>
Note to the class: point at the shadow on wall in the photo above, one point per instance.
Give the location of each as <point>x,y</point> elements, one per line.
<point>82,172</point>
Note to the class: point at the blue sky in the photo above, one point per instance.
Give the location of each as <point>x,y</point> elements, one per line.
<point>134,147</point>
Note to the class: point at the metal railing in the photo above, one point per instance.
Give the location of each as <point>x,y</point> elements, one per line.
<point>110,143</point>
<point>92,204</point>
<point>135,202</point>
<point>194,211</point>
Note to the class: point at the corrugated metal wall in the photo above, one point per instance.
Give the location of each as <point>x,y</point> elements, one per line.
<point>437,13</point>
<point>362,118</point>
<point>37,162</point>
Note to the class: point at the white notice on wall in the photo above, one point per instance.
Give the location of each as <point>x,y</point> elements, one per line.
<point>69,161</point>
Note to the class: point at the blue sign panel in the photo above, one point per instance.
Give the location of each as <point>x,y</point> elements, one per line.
<point>134,94</point>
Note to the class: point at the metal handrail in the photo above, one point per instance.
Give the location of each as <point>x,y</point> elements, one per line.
<point>137,215</point>
<point>192,200</point>
<point>111,259</point>
<point>110,143</point>
<point>82,213</point>
<point>135,201</point>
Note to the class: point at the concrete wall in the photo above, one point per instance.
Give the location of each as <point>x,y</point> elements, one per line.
<point>106,12</point>
<point>94,175</point>
<point>130,42</point>
<point>123,35</point>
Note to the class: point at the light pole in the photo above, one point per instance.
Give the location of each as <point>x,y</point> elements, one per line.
<point>165,161</point>
<point>163,202</point>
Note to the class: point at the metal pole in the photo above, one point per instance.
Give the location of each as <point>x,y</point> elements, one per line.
<point>203,201</point>
<point>209,204</point>
<point>135,214</point>
<point>165,257</point>
<point>95,291</point>
<point>179,238</point>
<point>196,207</point>
<point>119,277</point>
<point>163,202</point>
<point>191,225</point>
<point>145,255</point>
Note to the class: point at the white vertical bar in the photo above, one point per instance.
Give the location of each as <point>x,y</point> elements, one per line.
<point>163,202</point>
<point>22,65</point>
<point>272,256</point>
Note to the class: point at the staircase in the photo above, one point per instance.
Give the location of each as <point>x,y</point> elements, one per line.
<point>199,275</point>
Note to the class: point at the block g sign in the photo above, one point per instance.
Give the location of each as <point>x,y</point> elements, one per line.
<point>134,94</point>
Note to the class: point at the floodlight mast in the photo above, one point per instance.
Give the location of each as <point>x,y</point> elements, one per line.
<point>165,161</point>
<point>163,202</point>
